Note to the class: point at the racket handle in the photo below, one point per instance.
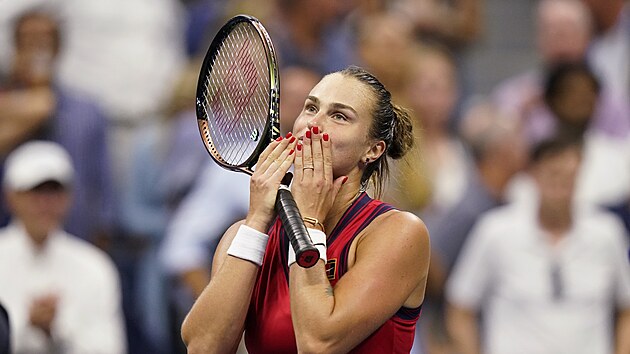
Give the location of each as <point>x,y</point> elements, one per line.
<point>306,254</point>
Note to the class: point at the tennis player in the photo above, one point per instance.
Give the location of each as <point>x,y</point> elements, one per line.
<point>365,294</point>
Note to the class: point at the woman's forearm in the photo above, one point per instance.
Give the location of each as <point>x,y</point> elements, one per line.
<point>215,322</point>
<point>312,304</point>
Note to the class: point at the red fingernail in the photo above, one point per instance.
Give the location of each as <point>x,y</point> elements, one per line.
<point>315,129</point>
<point>325,136</point>
<point>279,138</point>
<point>344,180</point>
<point>291,152</point>
<point>292,139</point>
<point>308,134</point>
<point>299,147</point>
<point>289,134</point>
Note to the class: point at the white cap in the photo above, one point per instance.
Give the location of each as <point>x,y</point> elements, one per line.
<point>36,162</point>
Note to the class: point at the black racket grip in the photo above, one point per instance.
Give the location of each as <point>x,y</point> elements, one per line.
<point>306,254</point>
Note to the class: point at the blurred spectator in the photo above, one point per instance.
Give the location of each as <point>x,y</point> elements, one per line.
<point>309,33</point>
<point>111,51</point>
<point>546,278</point>
<point>610,50</point>
<point>499,153</point>
<point>5,332</point>
<point>56,113</point>
<point>62,293</point>
<point>563,29</point>
<point>167,157</point>
<point>386,52</point>
<point>570,93</point>
<point>435,179</point>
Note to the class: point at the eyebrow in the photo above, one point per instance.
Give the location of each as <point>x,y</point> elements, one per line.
<point>335,105</point>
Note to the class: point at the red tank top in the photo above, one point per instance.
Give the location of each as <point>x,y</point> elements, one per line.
<point>269,329</point>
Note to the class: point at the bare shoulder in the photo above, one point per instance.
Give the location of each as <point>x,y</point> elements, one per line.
<point>396,246</point>
<point>400,226</point>
<point>397,234</point>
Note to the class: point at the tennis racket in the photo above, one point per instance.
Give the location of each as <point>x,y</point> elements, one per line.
<point>237,104</point>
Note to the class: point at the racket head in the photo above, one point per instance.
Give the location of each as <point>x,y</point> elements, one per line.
<point>238,94</point>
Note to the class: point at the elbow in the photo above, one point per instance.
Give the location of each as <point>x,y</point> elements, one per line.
<point>194,343</point>
<point>197,345</point>
<point>311,344</point>
<point>198,341</point>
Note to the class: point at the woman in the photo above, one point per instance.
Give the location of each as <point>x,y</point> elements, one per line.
<point>365,293</point>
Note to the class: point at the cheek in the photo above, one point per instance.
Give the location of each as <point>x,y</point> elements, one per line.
<point>299,126</point>
<point>346,154</point>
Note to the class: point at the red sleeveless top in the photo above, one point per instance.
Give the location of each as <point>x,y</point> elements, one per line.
<point>268,327</point>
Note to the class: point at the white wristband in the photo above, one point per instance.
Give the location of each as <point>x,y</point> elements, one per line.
<point>318,238</point>
<point>249,244</point>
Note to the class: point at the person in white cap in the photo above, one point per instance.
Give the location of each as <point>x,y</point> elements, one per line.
<point>62,294</point>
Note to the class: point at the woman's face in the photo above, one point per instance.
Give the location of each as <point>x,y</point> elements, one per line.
<point>342,107</point>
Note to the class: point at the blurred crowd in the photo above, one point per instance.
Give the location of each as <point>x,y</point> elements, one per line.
<point>521,168</point>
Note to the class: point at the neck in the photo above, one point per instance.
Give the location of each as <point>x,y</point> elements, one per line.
<point>494,178</point>
<point>38,237</point>
<point>555,220</point>
<point>346,196</point>
<point>433,134</point>
<point>433,126</point>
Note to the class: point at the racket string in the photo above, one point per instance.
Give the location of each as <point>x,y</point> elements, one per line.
<point>236,95</point>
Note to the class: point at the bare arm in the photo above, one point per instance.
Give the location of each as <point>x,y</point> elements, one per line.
<point>622,345</point>
<point>216,320</point>
<point>462,324</point>
<point>389,271</point>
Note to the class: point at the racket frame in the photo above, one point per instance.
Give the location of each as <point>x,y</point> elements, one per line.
<point>272,126</point>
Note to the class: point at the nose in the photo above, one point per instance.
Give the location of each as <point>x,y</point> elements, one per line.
<point>316,121</point>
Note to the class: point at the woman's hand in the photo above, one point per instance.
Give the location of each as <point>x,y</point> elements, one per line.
<point>273,164</point>
<point>314,188</point>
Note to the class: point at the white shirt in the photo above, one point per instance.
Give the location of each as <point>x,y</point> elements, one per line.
<point>609,54</point>
<point>89,317</point>
<point>505,271</point>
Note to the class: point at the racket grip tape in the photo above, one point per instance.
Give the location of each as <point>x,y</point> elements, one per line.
<point>306,254</point>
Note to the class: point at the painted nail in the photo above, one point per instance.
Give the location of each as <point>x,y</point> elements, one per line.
<point>299,147</point>
<point>308,134</point>
<point>325,137</point>
<point>292,139</point>
<point>279,138</point>
<point>344,180</point>
<point>291,152</point>
<point>289,134</point>
<point>315,129</point>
